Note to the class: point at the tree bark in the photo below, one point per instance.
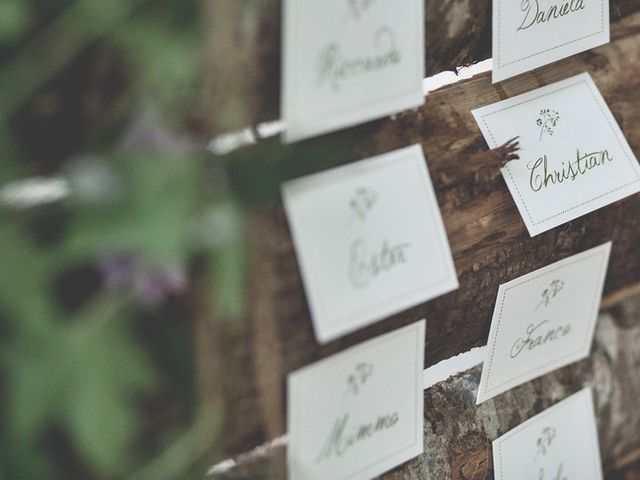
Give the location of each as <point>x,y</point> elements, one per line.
<point>488,239</point>
<point>458,434</point>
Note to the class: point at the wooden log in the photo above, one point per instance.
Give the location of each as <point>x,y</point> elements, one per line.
<point>458,434</point>
<point>489,241</point>
<point>457,33</point>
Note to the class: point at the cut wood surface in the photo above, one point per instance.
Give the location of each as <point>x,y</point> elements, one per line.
<point>458,434</point>
<point>457,33</point>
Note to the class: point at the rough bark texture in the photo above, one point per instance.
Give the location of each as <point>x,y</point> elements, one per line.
<point>489,242</point>
<point>458,434</point>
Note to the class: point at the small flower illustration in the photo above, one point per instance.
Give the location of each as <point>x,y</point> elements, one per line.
<point>358,7</point>
<point>544,441</point>
<point>549,293</point>
<point>547,121</point>
<point>362,202</point>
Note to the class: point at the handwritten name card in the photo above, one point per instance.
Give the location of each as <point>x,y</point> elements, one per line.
<point>543,321</point>
<point>370,240</point>
<point>359,413</point>
<point>560,443</point>
<point>349,61</point>
<point>528,34</point>
<point>574,158</point>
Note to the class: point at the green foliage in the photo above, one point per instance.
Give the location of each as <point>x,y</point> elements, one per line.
<point>110,370</point>
<point>166,69</point>
<point>88,371</point>
<point>80,373</point>
<point>149,214</point>
<point>74,378</point>
<point>15,17</point>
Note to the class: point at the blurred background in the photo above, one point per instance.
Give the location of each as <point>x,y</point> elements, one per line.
<point>115,226</point>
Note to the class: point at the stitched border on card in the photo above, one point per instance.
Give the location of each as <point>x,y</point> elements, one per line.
<point>555,361</point>
<point>616,134</point>
<point>414,330</point>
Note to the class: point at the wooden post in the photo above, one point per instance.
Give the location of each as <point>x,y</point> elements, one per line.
<point>489,242</point>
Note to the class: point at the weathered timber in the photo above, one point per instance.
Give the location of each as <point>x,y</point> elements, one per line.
<point>457,33</point>
<point>458,434</point>
<point>489,241</point>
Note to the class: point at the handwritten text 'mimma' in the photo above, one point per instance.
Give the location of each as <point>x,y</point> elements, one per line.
<point>345,435</point>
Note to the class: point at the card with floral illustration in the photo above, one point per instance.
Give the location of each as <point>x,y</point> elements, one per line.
<point>346,62</point>
<point>560,443</point>
<point>574,158</point>
<point>370,240</point>
<point>359,413</point>
<point>543,321</point>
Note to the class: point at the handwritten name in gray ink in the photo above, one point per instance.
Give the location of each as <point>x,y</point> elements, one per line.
<point>536,337</point>
<point>535,15</point>
<point>544,441</point>
<point>358,379</point>
<point>335,68</point>
<point>357,8</point>
<point>362,202</point>
<point>549,293</point>
<point>559,474</point>
<point>345,435</point>
<point>543,176</point>
<point>365,265</point>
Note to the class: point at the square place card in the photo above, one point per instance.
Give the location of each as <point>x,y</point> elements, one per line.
<point>359,413</point>
<point>346,62</point>
<point>560,443</point>
<point>528,34</point>
<point>543,321</point>
<point>574,158</point>
<point>370,240</point>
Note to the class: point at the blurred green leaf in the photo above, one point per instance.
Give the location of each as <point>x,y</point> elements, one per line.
<point>25,279</point>
<point>81,23</point>
<point>167,69</point>
<point>15,19</point>
<point>152,218</point>
<point>109,372</point>
<point>36,368</point>
<point>87,375</point>
<point>229,280</point>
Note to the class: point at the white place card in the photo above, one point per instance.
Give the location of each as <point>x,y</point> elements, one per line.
<point>370,240</point>
<point>346,62</point>
<point>359,413</point>
<point>543,321</point>
<point>560,443</point>
<point>528,34</point>
<point>574,158</point>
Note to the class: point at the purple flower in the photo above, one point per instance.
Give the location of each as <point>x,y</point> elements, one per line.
<point>150,284</point>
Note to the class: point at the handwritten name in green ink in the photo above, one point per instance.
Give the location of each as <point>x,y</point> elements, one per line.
<point>543,176</point>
